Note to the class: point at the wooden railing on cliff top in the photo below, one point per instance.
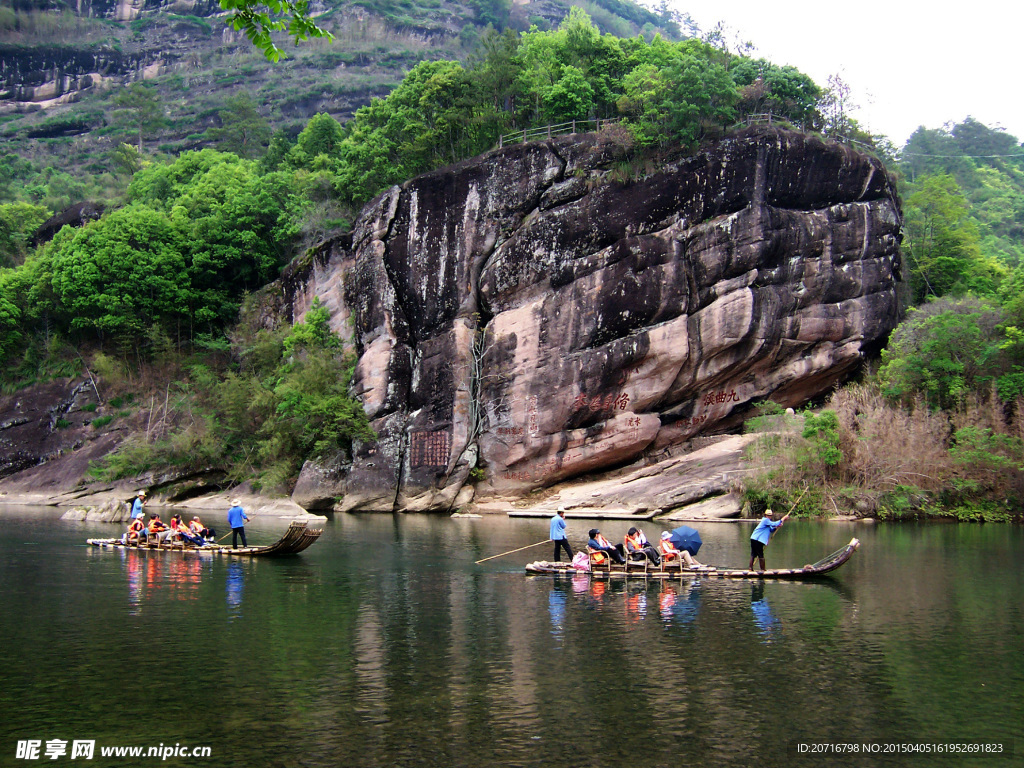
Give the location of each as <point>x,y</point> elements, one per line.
<point>561,129</point>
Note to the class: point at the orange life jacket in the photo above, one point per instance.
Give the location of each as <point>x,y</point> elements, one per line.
<point>597,556</point>
<point>196,526</point>
<point>667,547</point>
<point>633,543</point>
<point>155,526</point>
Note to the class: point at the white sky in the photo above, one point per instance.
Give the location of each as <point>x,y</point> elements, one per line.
<point>907,63</point>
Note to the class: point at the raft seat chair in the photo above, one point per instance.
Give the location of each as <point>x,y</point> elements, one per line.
<point>673,563</point>
<point>598,563</point>
<point>636,558</point>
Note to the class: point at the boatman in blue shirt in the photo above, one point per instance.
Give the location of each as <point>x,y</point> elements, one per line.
<point>237,520</point>
<point>761,536</point>
<point>140,499</point>
<point>558,534</point>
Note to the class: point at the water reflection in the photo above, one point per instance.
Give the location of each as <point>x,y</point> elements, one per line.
<point>764,618</point>
<point>679,603</point>
<point>234,585</point>
<point>556,609</point>
<point>177,576</point>
<point>386,645</point>
<point>636,602</point>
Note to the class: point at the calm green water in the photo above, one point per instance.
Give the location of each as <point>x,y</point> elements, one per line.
<point>384,645</point>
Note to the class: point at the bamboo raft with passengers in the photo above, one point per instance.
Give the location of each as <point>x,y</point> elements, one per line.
<point>644,568</point>
<point>297,538</point>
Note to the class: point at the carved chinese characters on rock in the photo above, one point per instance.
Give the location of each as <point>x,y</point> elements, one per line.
<point>716,398</point>
<point>531,415</point>
<point>596,403</point>
<point>429,449</point>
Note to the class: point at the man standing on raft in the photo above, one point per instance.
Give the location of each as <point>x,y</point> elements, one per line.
<point>558,534</point>
<point>761,536</point>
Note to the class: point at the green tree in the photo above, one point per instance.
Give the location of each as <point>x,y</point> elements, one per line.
<point>121,275</point>
<point>942,242</point>
<point>835,105</point>
<point>785,92</point>
<point>239,227</point>
<point>943,351</point>
<point>644,93</point>
<point>821,432</point>
<point>18,223</point>
<point>977,139</point>
<point>243,130</point>
<point>127,160</point>
<point>570,98</point>
<point>139,108</point>
<point>10,316</point>
<point>935,152</point>
<point>321,136</point>
<point>429,120</point>
<point>701,93</point>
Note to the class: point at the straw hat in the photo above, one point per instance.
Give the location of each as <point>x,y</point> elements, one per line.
<point>236,502</point>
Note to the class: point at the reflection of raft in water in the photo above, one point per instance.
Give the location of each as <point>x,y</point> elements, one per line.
<point>297,538</point>
<point>823,566</point>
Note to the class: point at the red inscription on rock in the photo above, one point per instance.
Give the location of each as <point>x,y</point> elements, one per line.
<point>715,398</point>
<point>597,403</point>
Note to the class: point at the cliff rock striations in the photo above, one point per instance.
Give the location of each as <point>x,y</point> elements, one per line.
<point>536,314</point>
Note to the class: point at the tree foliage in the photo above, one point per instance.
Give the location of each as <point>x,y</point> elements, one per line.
<point>944,351</point>
<point>197,234</point>
<point>260,19</point>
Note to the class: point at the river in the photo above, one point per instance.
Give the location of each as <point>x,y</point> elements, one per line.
<point>385,645</point>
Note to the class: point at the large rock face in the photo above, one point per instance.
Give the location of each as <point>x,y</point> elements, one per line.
<point>529,314</point>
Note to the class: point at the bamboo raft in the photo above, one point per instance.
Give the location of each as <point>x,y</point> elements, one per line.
<point>643,568</point>
<point>297,538</point>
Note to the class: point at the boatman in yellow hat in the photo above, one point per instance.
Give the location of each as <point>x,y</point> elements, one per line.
<point>762,535</point>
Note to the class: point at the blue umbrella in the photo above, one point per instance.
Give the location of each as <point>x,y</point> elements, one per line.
<point>686,539</point>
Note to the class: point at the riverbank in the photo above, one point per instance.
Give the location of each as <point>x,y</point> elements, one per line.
<point>112,505</point>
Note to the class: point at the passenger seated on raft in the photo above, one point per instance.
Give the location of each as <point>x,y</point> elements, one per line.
<point>159,529</point>
<point>198,529</point>
<point>669,552</point>
<point>183,533</point>
<point>136,530</point>
<point>637,543</point>
<point>599,545</point>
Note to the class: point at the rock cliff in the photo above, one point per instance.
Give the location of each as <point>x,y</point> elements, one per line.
<point>537,314</point>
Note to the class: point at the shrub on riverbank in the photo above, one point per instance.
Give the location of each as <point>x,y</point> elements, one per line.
<point>866,456</point>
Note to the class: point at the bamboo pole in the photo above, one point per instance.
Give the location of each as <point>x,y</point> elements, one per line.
<point>529,546</point>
